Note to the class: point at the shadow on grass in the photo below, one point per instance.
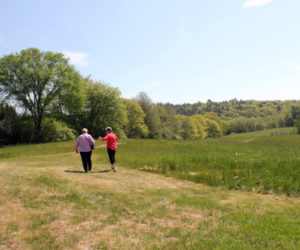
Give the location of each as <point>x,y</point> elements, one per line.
<point>82,172</point>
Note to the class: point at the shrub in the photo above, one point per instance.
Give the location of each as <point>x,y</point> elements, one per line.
<point>213,129</point>
<point>54,131</point>
<point>297,124</point>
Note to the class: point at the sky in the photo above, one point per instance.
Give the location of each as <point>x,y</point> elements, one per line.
<point>175,51</point>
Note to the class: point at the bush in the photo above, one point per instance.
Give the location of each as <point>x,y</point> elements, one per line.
<point>54,131</point>
<point>177,137</point>
<point>213,129</point>
<point>13,127</point>
<point>297,124</point>
<point>242,124</point>
<point>26,131</point>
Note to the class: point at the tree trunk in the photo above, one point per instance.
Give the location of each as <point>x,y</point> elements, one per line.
<point>38,130</point>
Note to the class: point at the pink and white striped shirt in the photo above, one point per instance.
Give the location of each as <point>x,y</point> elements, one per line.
<point>84,142</point>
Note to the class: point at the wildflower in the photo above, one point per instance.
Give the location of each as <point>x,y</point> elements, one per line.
<point>237,171</point>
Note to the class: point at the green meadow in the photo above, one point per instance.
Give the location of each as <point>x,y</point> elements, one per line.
<point>236,192</point>
<point>266,161</point>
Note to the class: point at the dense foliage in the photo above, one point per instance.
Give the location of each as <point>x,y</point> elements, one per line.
<point>35,79</point>
<point>246,116</point>
<point>238,108</point>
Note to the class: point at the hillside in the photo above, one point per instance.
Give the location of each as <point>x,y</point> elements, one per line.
<point>239,108</point>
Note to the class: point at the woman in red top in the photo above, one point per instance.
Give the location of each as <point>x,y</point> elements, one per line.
<point>111,145</point>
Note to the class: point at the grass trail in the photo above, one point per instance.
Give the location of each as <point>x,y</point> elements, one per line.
<point>46,204</point>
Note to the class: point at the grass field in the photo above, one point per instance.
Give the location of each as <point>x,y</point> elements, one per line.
<point>46,202</point>
<point>266,161</point>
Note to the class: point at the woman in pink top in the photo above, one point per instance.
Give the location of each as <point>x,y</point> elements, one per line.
<point>111,145</point>
<point>83,145</point>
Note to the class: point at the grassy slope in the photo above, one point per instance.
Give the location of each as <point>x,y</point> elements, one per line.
<point>44,207</point>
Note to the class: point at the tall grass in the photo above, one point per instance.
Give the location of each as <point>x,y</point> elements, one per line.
<point>259,161</point>
<point>266,161</point>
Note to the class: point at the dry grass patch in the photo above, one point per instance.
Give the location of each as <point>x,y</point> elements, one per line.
<point>125,210</point>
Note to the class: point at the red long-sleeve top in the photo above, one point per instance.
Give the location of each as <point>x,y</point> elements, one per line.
<point>111,141</point>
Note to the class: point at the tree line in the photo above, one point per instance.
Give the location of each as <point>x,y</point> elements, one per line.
<point>43,98</point>
<point>246,116</point>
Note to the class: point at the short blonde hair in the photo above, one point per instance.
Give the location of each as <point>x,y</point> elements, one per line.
<point>84,130</point>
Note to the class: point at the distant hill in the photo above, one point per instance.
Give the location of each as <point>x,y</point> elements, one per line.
<point>238,108</point>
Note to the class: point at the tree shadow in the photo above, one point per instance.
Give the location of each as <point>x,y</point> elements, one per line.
<point>82,172</point>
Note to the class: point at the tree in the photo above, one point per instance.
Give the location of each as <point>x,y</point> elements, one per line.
<point>104,108</point>
<point>69,106</point>
<point>179,131</point>
<point>213,129</point>
<point>8,121</point>
<point>35,79</point>
<point>214,117</point>
<point>199,122</point>
<point>296,114</point>
<point>152,115</point>
<point>189,128</point>
<point>135,125</point>
<point>167,120</point>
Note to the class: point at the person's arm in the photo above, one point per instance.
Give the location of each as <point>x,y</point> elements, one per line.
<point>92,140</point>
<point>103,139</point>
<point>76,146</point>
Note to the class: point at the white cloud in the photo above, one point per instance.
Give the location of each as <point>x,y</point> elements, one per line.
<point>78,58</point>
<point>256,3</point>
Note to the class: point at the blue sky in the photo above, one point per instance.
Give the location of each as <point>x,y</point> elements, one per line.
<point>175,51</point>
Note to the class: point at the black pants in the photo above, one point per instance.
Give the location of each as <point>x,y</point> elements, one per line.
<point>86,160</point>
<point>111,155</point>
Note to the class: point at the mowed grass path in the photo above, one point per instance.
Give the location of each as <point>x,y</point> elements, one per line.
<point>46,204</point>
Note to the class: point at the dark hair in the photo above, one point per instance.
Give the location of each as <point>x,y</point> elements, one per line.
<point>109,129</point>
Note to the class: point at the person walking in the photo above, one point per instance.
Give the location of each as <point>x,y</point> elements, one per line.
<point>84,145</point>
<point>111,145</point>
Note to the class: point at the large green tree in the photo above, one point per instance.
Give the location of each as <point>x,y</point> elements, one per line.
<point>35,79</point>
<point>104,108</point>
<point>151,111</point>
<point>135,126</point>
<point>167,120</point>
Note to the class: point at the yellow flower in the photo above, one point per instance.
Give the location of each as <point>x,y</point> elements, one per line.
<point>237,171</point>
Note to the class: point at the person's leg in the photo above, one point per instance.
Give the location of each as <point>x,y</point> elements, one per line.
<point>111,154</point>
<point>113,161</point>
<point>89,161</point>
<point>84,161</point>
